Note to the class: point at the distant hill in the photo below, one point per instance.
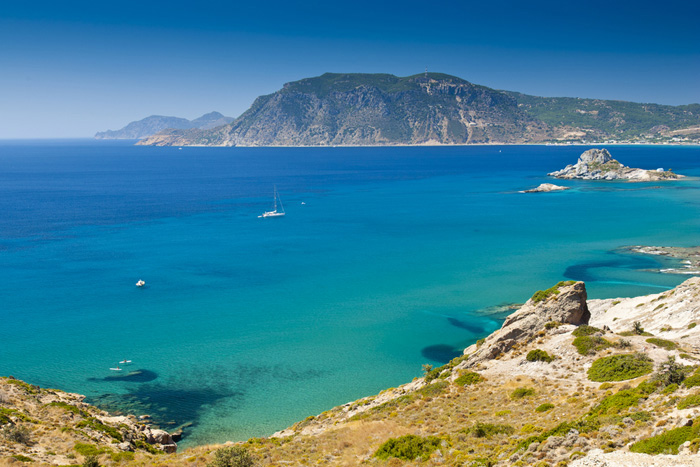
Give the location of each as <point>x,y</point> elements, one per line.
<point>155,123</point>
<point>430,108</point>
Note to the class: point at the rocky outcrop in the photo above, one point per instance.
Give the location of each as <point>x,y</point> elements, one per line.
<point>598,164</point>
<point>53,421</point>
<point>546,188</point>
<point>564,303</point>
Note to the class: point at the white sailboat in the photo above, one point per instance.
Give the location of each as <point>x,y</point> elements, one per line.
<point>275,212</point>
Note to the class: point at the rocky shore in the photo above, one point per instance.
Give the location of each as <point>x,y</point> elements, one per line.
<point>598,164</point>
<point>688,257</point>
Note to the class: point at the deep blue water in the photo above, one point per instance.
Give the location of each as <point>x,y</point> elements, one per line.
<point>247,325</point>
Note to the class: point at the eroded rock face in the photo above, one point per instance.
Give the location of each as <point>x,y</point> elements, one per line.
<point>598,164</point>
<point>566,304</point>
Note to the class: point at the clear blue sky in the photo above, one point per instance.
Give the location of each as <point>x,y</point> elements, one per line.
<point>72,68</point>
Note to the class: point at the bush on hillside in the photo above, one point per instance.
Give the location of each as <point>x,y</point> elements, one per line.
<point>232,456</point>
<point>407,447</point>
<point>585,330</point>
<point>539,355</point>
<point>487,430</point>
<point>544,407</point>
<point>692,381</point>
<point>468,378</point>
<point>663,343</point>
<point>519,393</point>
<point>620,367</point>
<point>541,295</point>
<point>667,442</point>
<point>690,401</point>
<point>586,345</point>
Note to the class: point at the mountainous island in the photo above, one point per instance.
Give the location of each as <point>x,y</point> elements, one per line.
<point>566,381</point>
<point>155,123</point>
<point>432,109</point>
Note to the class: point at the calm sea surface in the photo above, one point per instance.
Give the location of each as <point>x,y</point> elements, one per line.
<point>388,258</point>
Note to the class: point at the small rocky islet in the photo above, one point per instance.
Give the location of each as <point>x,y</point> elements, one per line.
<point>564,381</point>
<point>598,164</point>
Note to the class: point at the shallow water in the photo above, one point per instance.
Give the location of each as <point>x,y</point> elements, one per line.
<point>247,325</point>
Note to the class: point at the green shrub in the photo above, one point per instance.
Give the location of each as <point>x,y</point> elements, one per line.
<point>431,373</point>
<point>22,458</point>
<point>17,434</point>
<point>691,401</point>
<point>519,393</point>
<point>407,447</point>
<point>622,400</point>
<point>89,449</point>
<point>585,330</point>
<point>541,295</point>
<point>544,407</point>
<point>692,381</point>
<point>670,389</point>
<point>586,345</point>
<point>668,345</point>
<point>125,456</point>
<point>692,325</point>
<point>620,367</point>
<point>468,378</point>
<point>97,425</point>
<point>487,430</point>
<point>434,389</point>
<point>667,442</point>
<point>68,408</point>
<point>670,372</point>
<point>582,426</point>
<point>91,461</point>
<point>539,355</point>
<point>232,456</point>
<point>480,342</point>
<point>552,325</point>
<point>637,328</point>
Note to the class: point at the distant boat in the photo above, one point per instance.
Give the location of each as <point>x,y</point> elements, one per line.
<point>124,361</point>
<point>140,283</point>
<point>116,369</point>
<point>275,213</point>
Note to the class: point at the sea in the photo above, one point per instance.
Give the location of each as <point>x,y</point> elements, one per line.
<point>387,259</point>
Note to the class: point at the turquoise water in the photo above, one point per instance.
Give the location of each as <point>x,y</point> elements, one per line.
<point>246,325</point>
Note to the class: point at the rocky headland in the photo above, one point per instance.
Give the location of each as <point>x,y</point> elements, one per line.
<point>564,381</point>
<point>598,164</point>
<point>546,188</point>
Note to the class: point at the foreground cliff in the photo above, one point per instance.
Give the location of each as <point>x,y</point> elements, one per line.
<point>565,381</point>
<point>356,109</point>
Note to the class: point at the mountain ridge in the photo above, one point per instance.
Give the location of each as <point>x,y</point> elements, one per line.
<point>353,109</point>
<point>155,123</point>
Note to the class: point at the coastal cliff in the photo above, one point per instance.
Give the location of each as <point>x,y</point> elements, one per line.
<point>564,381</point>
<point>598,164</point>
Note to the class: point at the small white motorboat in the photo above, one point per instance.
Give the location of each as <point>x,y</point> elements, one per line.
<point>140,283</point>
<point>116,369</point>
<point>124,361</point>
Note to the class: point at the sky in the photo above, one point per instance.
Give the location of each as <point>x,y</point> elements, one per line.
<point>72,68</point>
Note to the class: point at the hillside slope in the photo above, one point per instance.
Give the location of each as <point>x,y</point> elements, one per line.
<point>565,381</point>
